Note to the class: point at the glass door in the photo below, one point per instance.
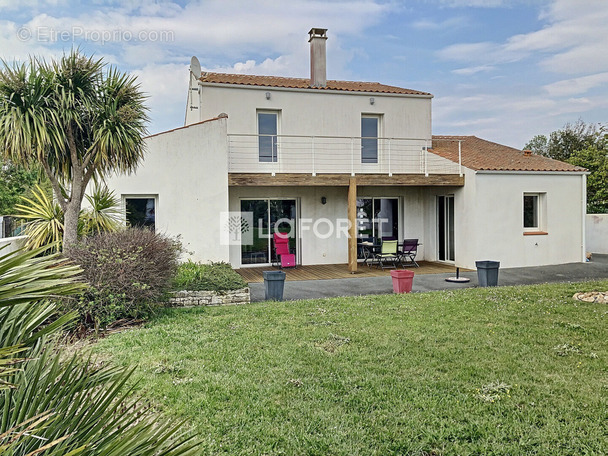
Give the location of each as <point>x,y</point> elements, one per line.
<point>269,216</point>
<point>445,228</point>
<point>377,219</point>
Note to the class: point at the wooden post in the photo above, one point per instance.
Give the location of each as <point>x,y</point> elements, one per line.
<point>352,229</point>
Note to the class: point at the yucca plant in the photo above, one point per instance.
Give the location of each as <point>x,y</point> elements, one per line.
<point>44,220</point>
<point>103,215</point>
<point>44,217</point>
<point>56,406</point>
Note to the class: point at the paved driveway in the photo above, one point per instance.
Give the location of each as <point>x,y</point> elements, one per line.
<point>310,289</point>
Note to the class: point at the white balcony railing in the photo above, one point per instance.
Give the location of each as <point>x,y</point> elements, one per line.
<point>333,154</point>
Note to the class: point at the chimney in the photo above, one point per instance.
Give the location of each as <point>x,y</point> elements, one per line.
<point>527,153</point>
<point>318,63</point>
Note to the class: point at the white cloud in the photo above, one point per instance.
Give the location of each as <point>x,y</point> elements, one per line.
<point>281,66</point>
<point>473,70</point>
<point>576,86</point>
<point>12,5</point>
<point>483,53</point>
<point>510,118</point>
<point>167,88</point>
<point>570,40</point>
<point>16,44</point>
<point>450,23</point>
<point>573,41</point>
<point>476,3</point>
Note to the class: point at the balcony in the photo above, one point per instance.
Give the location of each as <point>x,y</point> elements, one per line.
<point>294,154</point>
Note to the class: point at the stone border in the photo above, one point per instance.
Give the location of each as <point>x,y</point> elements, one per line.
<point>592,296</point>
<point>210,298</point>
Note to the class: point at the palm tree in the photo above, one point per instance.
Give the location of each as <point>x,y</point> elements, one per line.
<point>44,217</point>
<point>76,118</point>
<point>58,405</point>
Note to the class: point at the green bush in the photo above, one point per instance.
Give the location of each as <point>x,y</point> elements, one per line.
<point>56,403</point>
<point>128,271</point>
<point>211,277</point>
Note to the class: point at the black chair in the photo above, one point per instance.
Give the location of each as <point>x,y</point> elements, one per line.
<point>408,252</point>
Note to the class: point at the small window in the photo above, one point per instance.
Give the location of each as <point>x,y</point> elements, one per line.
<point>370,126</point>
<point>534,212</point>
<point>531,211</point>
<point>268,126</point>
<point>141,212</point>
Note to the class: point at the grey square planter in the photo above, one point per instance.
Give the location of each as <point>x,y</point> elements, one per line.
<point>487,273</point>
<point>274,283</point>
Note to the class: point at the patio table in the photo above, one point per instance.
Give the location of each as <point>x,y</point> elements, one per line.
<point>369,248</point>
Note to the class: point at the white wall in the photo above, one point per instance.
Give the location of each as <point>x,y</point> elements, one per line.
<point>334,249</point>
<point>315,112</point>
<point>489,219</point>
<point>186,170</point>
<point>331,250</point>
<point>596,233</point>
<point>10,244</point>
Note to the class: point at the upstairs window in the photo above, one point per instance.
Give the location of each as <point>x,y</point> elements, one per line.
<point>268,123</point>
<point>370,126</point>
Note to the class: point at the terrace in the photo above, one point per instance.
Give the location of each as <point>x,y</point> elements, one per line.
<point>338,271</point>
<point>298,154</point>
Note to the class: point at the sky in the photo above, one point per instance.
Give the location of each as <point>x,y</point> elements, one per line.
<point>503,70</point>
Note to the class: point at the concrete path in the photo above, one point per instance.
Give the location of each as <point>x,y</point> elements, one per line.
<point>311,289</point>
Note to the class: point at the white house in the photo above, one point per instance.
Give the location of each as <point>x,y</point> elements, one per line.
<point>334,162</point>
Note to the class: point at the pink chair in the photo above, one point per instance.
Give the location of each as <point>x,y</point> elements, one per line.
<point>285,259</point>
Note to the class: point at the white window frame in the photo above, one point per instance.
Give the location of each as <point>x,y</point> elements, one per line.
<point>126,196</point>
<point>541,213</point>
<point>379,118</point>
<point>276,112</point>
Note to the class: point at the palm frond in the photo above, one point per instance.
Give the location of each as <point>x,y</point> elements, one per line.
<point>44,220</point>
<point>104,214</point>
<point>56,406</point>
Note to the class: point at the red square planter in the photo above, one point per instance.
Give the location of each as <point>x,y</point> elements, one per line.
<point>402,280</point>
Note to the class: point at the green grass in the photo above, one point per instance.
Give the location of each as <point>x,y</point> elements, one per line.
<point>193,276</point>
<point>514,370</point>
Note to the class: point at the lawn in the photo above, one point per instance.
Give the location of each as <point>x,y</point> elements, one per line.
<point>514,370</point>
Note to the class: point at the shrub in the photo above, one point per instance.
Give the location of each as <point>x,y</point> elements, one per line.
<point>128,272</point>
<point>212,277</point>
<point>59,404</point>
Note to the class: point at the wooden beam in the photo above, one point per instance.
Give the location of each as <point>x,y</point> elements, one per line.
<point>343,180</point>
<point>352,227</point>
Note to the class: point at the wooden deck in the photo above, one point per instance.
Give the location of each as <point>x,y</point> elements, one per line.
<point>340,271</point>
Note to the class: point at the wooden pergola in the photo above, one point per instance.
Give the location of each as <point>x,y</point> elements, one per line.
<point>345,180</point>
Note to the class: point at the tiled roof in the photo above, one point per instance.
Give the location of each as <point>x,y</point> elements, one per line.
<point>479,154</point>
<point>304,83</point>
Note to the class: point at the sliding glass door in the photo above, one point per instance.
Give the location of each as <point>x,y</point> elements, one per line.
<point>270,216</point>
<point>377,218</point>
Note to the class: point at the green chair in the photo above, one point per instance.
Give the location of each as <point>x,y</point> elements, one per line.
<point>388,254</point>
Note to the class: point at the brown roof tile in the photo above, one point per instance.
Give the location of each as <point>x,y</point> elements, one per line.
<point>479,154</point>
<point>303,83</point>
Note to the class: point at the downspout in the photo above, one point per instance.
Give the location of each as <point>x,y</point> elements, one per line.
<point>200,100</point>
<point>584,216</point>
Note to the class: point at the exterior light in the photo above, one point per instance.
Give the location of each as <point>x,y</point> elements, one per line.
<point>323,200</point>
<point>372,100</point>
<point>268,95</point>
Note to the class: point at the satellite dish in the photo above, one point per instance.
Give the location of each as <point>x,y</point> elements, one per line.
<point>195,67</point>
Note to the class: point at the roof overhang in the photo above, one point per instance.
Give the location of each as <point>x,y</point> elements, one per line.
<point>552,173</point>
<point>318,91</point>
<point>343,180</point>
